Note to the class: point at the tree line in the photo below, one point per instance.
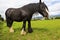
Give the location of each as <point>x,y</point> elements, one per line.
<point>1,18</point>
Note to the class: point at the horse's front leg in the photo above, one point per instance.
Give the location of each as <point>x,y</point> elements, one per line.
<point>29,27</point>
<point>23,32</point>
<point>9,24</point>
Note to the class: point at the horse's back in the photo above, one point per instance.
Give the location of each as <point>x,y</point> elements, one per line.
<point>9,11</point>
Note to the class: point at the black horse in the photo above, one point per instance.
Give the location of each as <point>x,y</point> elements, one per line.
<point>25,14</point>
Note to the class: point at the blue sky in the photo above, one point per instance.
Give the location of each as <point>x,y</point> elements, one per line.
<point>53,5</point>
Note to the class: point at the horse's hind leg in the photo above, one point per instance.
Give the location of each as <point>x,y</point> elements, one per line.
<point>29,27</point>
<point>9,24</point>
<point>23,32</point>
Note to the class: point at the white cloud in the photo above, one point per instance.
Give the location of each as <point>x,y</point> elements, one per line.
<point>50,1</point>
<point>54,13</point>
<point>55,7</point>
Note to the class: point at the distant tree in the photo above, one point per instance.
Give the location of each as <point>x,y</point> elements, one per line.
<point>1,19</point>
<point>57,17</point>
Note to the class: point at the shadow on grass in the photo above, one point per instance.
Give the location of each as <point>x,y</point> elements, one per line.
<point>17,29</point>
<point>34,29</point>
<point>41,29</point>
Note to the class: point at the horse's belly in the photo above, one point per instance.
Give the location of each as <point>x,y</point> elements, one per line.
<point>17,19</point>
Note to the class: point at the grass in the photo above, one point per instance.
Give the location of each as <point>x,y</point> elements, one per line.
<point>42,30</point>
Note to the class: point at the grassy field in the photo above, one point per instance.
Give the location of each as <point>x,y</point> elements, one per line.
<point>42,30</point>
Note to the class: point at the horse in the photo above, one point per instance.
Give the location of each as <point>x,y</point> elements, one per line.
<point>25,14</point>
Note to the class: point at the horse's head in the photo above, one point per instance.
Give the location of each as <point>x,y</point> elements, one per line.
<point>43,9</point>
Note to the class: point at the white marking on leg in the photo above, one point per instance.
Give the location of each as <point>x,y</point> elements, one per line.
<point>11,29</point>
<point>23,32</point>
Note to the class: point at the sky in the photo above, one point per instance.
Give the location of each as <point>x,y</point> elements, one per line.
<point>53,5</point>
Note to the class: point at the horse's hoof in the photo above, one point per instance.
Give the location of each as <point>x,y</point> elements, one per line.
<point>30,30</point>
<point>11,30</point>
<point>23,32</point>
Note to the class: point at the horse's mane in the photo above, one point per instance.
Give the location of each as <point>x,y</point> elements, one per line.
<point>45,6</point>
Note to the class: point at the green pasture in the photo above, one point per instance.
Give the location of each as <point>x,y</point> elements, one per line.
<point>42,30</point>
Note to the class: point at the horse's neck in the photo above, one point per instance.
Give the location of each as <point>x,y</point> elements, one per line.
<point>36,9</point>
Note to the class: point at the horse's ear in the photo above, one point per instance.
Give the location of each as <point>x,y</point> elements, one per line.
<point>43,2</point>
<point>39,1</point>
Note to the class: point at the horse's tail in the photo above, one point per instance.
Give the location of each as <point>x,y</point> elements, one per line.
<point>7,13</point>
